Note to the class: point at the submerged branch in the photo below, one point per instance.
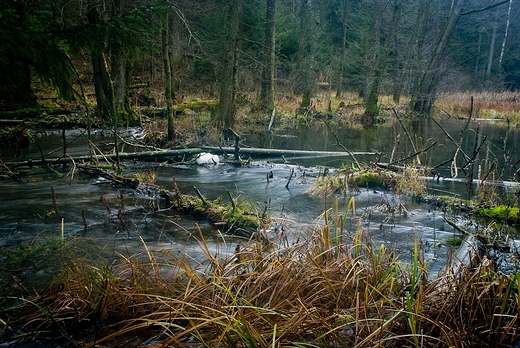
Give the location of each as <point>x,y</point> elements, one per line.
<point>351,154</point>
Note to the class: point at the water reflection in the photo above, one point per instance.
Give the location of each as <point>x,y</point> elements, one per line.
<point>497,142</point>
<point>25,204</point>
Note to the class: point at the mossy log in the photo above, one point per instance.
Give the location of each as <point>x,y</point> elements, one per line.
<point>502,214</point>
<point>33,113</point>
<point>231,218</point>
<point>9,121</point>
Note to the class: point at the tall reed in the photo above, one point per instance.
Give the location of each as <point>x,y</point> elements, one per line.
<point>321,291</point>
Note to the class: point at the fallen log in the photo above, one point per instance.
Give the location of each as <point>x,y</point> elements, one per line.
<point>253,152</point>
<point>123,155</point>
<point>262,152</point>
<point>112,178</point>
<point>9,121</point>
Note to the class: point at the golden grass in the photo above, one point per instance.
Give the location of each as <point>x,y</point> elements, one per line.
<point>502,105</point>
<point>329,290</point>
<point>409,180</point>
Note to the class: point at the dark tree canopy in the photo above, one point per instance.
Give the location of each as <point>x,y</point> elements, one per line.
<point>31,45</point>
<point>373,47</point>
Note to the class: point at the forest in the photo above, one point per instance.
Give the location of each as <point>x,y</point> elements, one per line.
<point>145,205</point>
<point>253,51</point>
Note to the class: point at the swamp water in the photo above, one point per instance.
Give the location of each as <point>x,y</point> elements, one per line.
<point>130,222</point>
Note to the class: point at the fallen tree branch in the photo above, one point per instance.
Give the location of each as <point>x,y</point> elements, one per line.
<point>152,148</point>
<point>417,153</point>
<point>409,137</point>
<point>351,154</point>
<point>258,152</point>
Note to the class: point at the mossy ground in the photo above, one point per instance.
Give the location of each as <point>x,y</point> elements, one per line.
<point>501,213</point>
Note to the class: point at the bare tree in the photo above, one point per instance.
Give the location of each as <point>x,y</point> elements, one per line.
<point>229,73</point>
<point>169,94</point>
<point>508,23</point>
<point>425,90</point>
<point>344,17</point>
<point>268,71</point>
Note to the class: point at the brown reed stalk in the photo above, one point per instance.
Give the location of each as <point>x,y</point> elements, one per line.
<point>54,202</point>
<point>291,295</point>
<point>84,218</point>
<point>105,203</point>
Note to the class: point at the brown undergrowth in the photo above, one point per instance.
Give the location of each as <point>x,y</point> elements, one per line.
<point>330,290</point>
<point>495,105</point>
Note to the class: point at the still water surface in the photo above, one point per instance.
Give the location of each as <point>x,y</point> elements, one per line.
<point>25,202</point>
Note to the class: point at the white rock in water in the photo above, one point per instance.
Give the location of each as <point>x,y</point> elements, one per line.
<point>207,158</point>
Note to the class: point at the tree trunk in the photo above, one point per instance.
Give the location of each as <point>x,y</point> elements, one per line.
<point>100,76</point>
<point>304,63</point>
<point>183,153</point>
<point>344,18</point>
<point>377,65</point>
<point>309,29</point>
<point>268,72</point>
<point>491,49</point>
<point>396,90</point>
<point>425,92</point>
<point>99,70</point>
<point>119,66</point>
<point>477,81</point>
<point>228,86</point>
<point>508,22</point>
<point>118,69</point>
<point>168,76</point>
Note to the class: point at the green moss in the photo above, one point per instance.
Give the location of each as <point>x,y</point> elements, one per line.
<point>370,179</point>
<point>501,213</point>
<point>238,217</point>
<point>447,203</point>
<point>215,212</point>
<point>454,242</point>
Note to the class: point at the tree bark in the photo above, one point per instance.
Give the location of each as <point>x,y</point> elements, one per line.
<point>309,29</point>
<point>396,89</point>
<point>344,18</point>
<point>508,23</point>
<point>100,73</point>
<point>118,68</point>
<point>491,49</point>
<point>424,94</point>
<point>168,76</point>
<point>377,65</point>
<point>268,71</point>
<point>228,86</point>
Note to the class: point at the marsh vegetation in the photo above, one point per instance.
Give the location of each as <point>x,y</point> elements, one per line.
<point>324,284</point>
<point>360,187</point>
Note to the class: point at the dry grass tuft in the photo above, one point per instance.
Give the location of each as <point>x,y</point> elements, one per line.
<point>330,290</point>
